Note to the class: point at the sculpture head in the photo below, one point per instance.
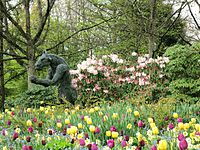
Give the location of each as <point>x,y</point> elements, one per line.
<point>44,60</point>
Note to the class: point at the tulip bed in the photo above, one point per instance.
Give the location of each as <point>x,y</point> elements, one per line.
<point>120,126</point>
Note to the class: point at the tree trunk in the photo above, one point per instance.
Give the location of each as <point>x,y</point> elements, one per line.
<point>152,44</point>
<point>31,63</point>
<point>2,88</point>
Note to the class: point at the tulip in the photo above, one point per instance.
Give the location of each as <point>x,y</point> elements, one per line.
<point>15,136</point>
<point>30,129</point>
<point>171,126</point>
<point>82,142</point>
<point>34,119</point>
<point>180,120</point>
<point>94,147</point>
<point>28,138</point>
<point>112,128</point>
<point>123,143</point>
<point>9,122</point>
<point>110,143</point>
<point>181,137</point>
<point>154,148</point>
<point>140,124</point>
<point>97,130</point>
<point>183,145</point>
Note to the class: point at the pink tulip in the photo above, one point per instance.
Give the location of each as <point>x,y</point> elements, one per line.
<point>140,124</point>
<point>171,126</point>
<point>123,143</point>
<point>110,143</point>
<point>183,145</point>
<point>112,128</point>
<point>181,137</point>
<point>82,142</point>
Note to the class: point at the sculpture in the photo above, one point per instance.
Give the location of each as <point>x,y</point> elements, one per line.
<point>58,74</point>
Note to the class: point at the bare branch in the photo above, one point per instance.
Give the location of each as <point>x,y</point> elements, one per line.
<point>75,33</point>
<point>43,21</point>
<point>14,58</point>
<point>13,43</point>
<point>4,11</point>
<point>16,76</point>
<point>197,24</point>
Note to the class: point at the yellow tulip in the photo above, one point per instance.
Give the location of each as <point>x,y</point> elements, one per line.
<point>162,145</point>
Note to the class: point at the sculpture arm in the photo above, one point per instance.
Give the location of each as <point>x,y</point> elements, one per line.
<point>50,74</point>
<point>60,70</point>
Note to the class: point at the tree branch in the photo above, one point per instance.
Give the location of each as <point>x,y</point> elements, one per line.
<point>4,11</point>
<point>169,28</point>
<point>75,33</point>
<point>10,41</point>
<point>197,24</point>
<point>43,21</point>
<point>16,76</point>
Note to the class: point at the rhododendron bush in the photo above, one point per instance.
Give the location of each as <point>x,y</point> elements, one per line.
<point>111,77</point>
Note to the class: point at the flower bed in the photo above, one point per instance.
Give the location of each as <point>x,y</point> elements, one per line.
<point>121,126</point>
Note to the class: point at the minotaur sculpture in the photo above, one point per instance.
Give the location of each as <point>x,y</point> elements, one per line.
<point>58,74</point>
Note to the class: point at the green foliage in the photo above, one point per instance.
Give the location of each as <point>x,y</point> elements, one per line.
<point>183,71</point>
<point>36,97</point>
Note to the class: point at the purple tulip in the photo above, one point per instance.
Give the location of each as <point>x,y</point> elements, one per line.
<point>3,132</point>
<point>82,117</point>
<point>140,124</point>
<point>97,130</point>
<point>110,143</point>
<point>154,148</point>
<point>183,145</point>
<point>27,147</point>
<point>142,143</point>
<point>30,129</point>
<point>15,136</point>
<point>94,147</point>
<point>86,136</point>
<point>112,128</point>
<point>171,126</point>
<point>34,119</point>
<point>123,143</point>
<point>166,118</point>
<point>82,142</point>
<point>9,122</point>
<point>180,120</point>
<point>43,142</point>
<point>28,138</point>
<point>126,138</point>
<point>181,137</point>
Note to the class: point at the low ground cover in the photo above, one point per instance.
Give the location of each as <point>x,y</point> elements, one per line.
<point>119,126</point>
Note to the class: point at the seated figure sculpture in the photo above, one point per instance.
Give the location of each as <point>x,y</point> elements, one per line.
<point>58,74</point>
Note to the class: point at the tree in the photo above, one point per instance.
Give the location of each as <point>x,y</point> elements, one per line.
<point>2,89</point>
<point>28,41</point>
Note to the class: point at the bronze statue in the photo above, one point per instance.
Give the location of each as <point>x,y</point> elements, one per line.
<point>58,74</point>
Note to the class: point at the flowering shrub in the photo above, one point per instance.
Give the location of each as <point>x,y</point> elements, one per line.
<point>113,78</point>
<point>118,127</point>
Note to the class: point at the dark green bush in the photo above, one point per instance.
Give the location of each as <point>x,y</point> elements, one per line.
<point>183,71</point>
<point>36,97</point>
